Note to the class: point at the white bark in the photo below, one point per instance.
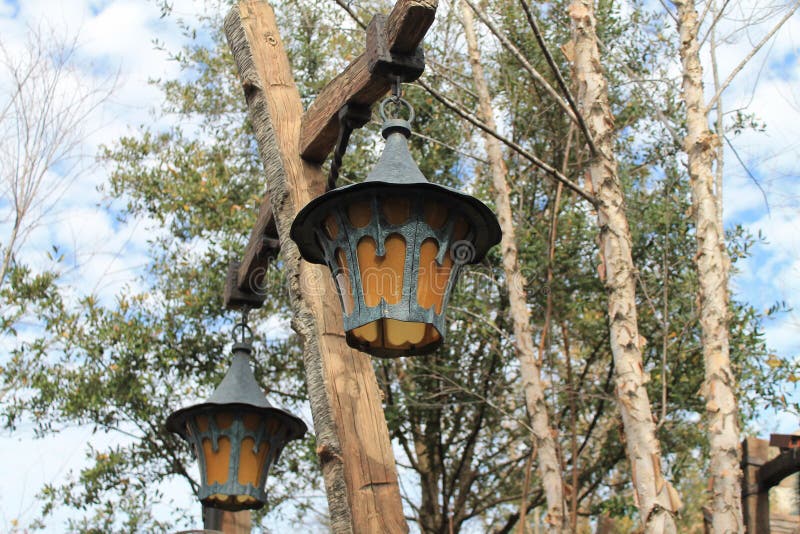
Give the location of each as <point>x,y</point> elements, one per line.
<point>654,496</point>
<point>712,272</point>
<point>530,366</point>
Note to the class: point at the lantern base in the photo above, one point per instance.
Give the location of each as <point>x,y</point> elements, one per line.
<point>390,338</point>
<point>232,503</point>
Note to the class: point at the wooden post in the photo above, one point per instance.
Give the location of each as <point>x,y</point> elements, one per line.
<point>353,442</point>
<point>215,520</point>
<point>755,503</point>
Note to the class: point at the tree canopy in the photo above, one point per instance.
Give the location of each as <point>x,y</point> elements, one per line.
<point>458,417</point>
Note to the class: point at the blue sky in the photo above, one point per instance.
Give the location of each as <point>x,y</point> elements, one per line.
<point>116,36</point>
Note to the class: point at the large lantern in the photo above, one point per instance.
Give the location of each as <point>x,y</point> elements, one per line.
<point>237,435</point>
<point>395,243</point>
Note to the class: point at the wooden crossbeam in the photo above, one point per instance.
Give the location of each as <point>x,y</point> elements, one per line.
<point>244,283</point>
<point>405,28</point>
<point>262,248</point>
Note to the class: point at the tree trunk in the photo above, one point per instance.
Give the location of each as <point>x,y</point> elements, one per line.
<point>712,273</point>
<point>530,366</point>
<point>656,499</point>
<point>353,442</point>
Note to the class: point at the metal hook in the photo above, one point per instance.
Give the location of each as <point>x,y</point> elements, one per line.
<point>243,326</point>
<point>397,87</point>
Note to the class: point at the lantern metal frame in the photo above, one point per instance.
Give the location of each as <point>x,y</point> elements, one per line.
<point>238,395</point>
<point>396,175</point>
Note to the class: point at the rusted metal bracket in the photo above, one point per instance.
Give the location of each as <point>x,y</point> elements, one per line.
<point>351,116</point>
<point>381,60</point>
<point>785,464</point>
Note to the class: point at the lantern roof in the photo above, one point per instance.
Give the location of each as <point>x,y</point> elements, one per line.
<point>238,391</point>
<point>396,173</point>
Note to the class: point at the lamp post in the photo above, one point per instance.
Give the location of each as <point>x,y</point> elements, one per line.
<point>236,435</point>
<point>394,244</point>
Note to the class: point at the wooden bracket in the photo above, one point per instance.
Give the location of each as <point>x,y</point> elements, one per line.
<point>234,298</point>
<point>402,32</point>
<point>244,283</point>
<point>383,62</point>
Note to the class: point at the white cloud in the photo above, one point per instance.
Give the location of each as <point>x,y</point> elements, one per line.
<point>116,36</point>
<point>102,255</point>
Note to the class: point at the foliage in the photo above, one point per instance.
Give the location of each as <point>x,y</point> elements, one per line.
<point>458,416</point>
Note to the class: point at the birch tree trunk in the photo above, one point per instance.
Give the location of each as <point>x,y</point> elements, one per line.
<point>712,273</point>
<point>530,366</point>
<point>656,499</point>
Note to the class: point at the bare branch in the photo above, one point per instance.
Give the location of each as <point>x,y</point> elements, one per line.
<point>469,117</point>
<point>747,171</point>
<point>557,73</point>
<point>42,130</point>
<point>750,55</point>
<point>717,17</point>
<point>522,60</point>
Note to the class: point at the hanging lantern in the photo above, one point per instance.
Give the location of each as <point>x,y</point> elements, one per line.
<point>394,244</point>
<point>237,435</point>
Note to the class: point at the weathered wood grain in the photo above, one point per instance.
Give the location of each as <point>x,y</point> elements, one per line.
<point>406,26</point>
<point>353,442</point>
<point>234,298</point>
<point>262,248</point>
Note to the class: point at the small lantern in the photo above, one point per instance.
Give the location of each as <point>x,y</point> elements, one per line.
<point>237,435</point>
<point>394,244</point>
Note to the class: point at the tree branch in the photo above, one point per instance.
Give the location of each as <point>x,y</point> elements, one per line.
<point>557,73</point>
<point>749,56</point>
<point>522,60</point>
<point>469,117</point>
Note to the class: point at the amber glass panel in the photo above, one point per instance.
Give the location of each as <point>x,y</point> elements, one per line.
<point>382,276</point>
<point>251,463</point>
<point>202,423</point>
<point>331,227</point>
<point>431,336</point>
<point>359,213</point>
<point>224,420</point>
<point>402,334</point>
<point>251,421</point>
<point>396,210</point>
<point>397,335</point>
<point>432,278</point>
<point>343,281</point>
<point>435,215</point>
<point>370,332</point>
<point>217,462</point>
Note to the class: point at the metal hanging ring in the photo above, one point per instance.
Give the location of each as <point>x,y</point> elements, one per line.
<point>397,102</point>
<point>245,331</point>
